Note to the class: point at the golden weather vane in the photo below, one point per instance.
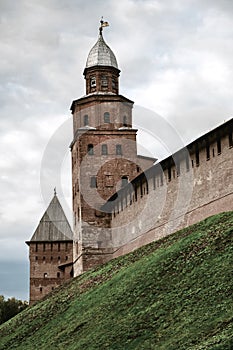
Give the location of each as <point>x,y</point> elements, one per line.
<point>103,24</point>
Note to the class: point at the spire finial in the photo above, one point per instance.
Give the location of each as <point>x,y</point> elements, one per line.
<point>55,191</point>
<point>102,25</point>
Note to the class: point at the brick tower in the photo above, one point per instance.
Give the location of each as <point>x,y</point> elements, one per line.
<point>104,154</point>
<point>50,252</point>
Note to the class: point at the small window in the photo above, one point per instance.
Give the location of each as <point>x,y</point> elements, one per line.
<point>230,139</point>
<point>58,275</point>
<point>93,81</point>
<point>59,259</point>
<point>125,121</point>
<point>44,258</point>
<point>85,120</point>
<point>169,173</point>
<point>219,148</point>
<point>45,275</point>
<point>59,247</point>
<point>90,150</point>
<point>104,150</point>
<point>118,150</point>
<point>66,258</point>
<point>106,117</point>
<point>93,183</point>
<point>51,247</point>
<point>124,181</point>
<point>197,157</point>
<point>104,81</point>
<point>51,258</point>
<point>207,150</point>
<point>41,289</point>
<point>43,247</point>
<point>36,247</point>
<point>114,83</point>
<point>36,258</point>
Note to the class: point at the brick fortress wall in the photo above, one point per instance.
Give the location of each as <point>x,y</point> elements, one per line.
<point>185,188</point>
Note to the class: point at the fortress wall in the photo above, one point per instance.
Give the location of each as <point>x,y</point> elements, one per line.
<point>193,184</point>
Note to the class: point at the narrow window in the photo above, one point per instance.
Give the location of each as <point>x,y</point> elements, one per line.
<point>114,84</point>
<point>59,259</point>
<point>36,247</point>
<point>43,258</point>
<point>90,150</point>
<point>51,247</point>
<point>59,247</point>
<point>178,168</point>
<point>106,117</point>
<point>161,178</point>
<point>118,150</point>
<point>58,275</point>
<point>45,275</point>
<point>213,152</point>
<point>36,258</point>
<point>43,247</point>
<point>197,156</point>
<point>104,81</point>
<point>41,289</point>
<point>51,258</point>
<point>104,150</point>
<point>66,258</point>
<point>125,121</point>
<point>187,161</point>
<point>192,163</point>
<point>207,150</point>
<point>93,81</point>
<point>219,148</point>
<point>93,183</point>
<point>66,247</point>
<point>85,120</point>
<point>124,181</point>
<point>230,139</point>
<point>169,173</point>
<point>138,169</point>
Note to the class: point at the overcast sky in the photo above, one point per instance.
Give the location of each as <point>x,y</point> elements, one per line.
<point>175,58</point>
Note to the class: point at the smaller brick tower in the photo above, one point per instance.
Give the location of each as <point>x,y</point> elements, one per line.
<point>50,252</point>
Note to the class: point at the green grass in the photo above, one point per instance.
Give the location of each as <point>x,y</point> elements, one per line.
<point>169,295</point>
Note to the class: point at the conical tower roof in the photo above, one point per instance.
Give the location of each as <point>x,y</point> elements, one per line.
<point>101,55</point>
<point>54,225</point>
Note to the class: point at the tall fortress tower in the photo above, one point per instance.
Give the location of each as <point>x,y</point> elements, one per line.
<point>104,153</point>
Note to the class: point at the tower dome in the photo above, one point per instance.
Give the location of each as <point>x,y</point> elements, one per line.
<point>101,55</point>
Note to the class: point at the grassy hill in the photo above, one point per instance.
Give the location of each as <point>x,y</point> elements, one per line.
<point>170,295</point>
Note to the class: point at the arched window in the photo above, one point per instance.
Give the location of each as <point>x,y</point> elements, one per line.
<point>93,81</point>
<point>104,81</point>
<point>118,150</point>
<point>104,150</point>
<point>124,181</point>
<point>125,121</point>
<point>106,117</point>
<point>85,120</point>
<point>90,150</point>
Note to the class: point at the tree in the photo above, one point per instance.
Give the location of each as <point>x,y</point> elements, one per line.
<point>10,307</point>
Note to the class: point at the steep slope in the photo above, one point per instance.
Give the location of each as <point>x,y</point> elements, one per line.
<point>172,294</point>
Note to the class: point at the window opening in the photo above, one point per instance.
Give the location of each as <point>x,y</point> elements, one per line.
<point>124,181</point>
<point>85,120</point>
<point>118,150</point>
<point>219,148</point>
<point>93,81</point>
<point>93,183</point>
<point>104,150</point>
<point>90,150</point>
<point>104,81</point>
<point>106,117</point>
<point>124,120</point>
